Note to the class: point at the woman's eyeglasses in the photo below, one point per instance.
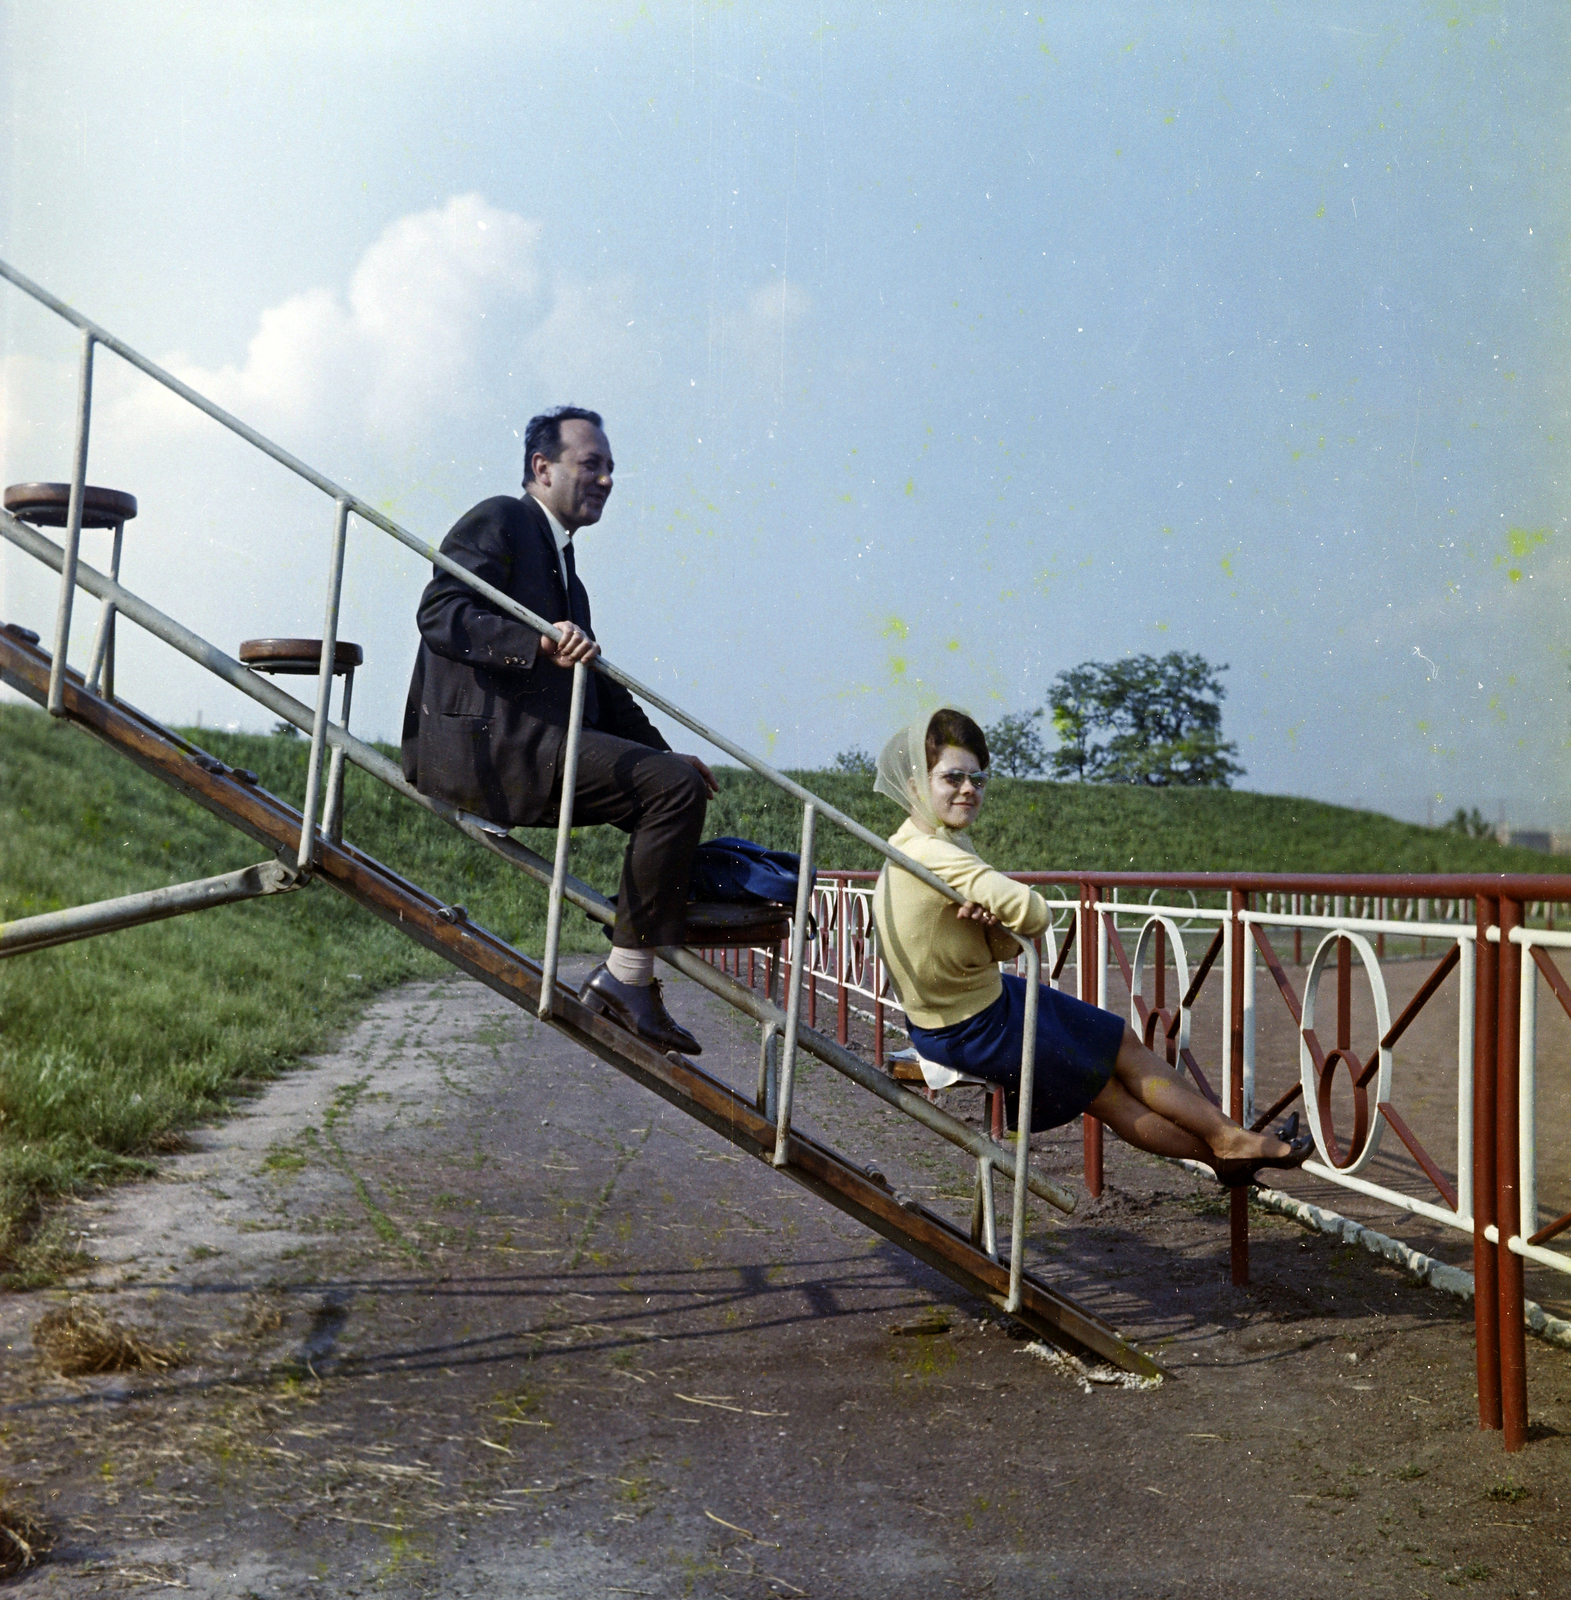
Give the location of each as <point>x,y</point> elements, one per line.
<point>957,778</point>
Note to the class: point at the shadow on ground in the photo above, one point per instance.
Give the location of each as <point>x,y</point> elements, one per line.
<point>465,1312</point>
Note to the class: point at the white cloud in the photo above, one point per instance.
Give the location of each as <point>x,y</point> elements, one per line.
<point>421,298</point>
<point>432,299</point>
<point>756,345</point>
<point>594,340</point>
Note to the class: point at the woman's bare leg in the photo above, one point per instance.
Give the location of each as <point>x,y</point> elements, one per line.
<point>1149,1106</point>
<point>1144,1128</point>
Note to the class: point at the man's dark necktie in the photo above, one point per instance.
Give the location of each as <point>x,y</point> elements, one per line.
<point>580,614</point>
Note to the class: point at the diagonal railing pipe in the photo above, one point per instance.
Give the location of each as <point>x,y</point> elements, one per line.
<point>73,531</point>
<point>101,668</point>
<point>27,934</point>
<point>564,837</point>
<point>371,760</point>
<point>324,688</point>
<point>793,1022</point>
<point>333,802</point>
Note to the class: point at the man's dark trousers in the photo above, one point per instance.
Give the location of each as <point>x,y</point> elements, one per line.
<point>660,799</point>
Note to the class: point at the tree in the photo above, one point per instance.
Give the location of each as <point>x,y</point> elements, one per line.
<point>1161,717</point>
<point>855,761</point>
<point>1470,824</point>
<point>1073,698</point>
<point>1014,747</point>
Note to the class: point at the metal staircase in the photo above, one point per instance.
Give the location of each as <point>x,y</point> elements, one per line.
<point>301,854</point>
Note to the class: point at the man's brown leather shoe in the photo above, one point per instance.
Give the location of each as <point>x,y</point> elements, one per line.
<point>639,1008</point>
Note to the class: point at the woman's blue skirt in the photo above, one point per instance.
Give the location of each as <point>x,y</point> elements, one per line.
<point>1076,1046</point>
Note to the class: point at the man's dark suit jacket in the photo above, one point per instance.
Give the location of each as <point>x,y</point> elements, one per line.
<point>487,712</point>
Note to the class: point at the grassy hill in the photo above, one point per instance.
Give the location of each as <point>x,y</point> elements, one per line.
<point>1028,825</point>
<point>108,1048</point>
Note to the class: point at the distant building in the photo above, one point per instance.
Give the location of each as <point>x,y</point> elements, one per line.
<point>1537,839</point>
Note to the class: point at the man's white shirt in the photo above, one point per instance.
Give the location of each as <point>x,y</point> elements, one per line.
<point>563,540</point>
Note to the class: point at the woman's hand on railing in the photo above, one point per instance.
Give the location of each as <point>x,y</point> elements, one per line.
<point>972,912</point>
<point>574,645</point>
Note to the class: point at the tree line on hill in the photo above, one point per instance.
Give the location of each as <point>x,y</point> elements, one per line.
<point>1151,720</point>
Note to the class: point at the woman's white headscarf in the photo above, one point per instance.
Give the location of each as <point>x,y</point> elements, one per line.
<point>902,775</point>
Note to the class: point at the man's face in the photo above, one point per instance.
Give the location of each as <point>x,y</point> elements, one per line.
<point>576,485</point>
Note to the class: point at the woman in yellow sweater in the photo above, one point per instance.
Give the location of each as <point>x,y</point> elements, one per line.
<point>964,1014</point>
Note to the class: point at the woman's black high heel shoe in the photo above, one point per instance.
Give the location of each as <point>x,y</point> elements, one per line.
<point>1299,1151</point>
<point>1300,1146</point>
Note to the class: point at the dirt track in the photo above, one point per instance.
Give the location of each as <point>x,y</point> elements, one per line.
<point>465,1312</point>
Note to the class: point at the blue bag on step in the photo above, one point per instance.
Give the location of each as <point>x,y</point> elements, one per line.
<point>739,872</point>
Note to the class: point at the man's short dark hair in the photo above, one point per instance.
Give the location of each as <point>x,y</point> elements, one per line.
<point>543,436</point>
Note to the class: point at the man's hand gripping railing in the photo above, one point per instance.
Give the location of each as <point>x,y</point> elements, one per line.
<point>331,734</point>
<point>364,756</point>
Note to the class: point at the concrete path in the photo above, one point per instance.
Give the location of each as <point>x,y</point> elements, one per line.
<point>465,1312</point>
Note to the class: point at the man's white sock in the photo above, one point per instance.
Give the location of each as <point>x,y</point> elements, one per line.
<point>636,967</point>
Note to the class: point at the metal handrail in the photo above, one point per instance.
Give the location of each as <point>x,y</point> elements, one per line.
<point>323,733</point>
<point>1502,1085</point>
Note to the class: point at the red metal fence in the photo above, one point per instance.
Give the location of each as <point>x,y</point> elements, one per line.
<point>1495,935</point>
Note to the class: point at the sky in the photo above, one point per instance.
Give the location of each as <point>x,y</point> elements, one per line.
<point>941,347</point>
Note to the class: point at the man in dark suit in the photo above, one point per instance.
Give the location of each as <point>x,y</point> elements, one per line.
<point>486,722</point>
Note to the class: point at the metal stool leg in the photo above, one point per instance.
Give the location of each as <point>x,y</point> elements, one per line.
<point>334,808</point>
<point>984,1217</point>
<point>769,1072</point>
<point>101,670</point>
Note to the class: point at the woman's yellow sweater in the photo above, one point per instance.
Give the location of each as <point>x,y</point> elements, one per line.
<point>945,970</point>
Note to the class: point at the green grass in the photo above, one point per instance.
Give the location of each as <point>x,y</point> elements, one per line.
<point>109,1048</point>
<point>1028,825</point>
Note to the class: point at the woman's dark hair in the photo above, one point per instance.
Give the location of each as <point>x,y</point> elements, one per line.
<point>543,436</point>
<point>956,728</point>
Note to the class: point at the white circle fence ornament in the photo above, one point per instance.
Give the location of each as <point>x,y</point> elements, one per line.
<point>1137,989</point>
<point>858,967</point>
<point>826,955</point>
<point>1166,894</point>
<point>1317,1082</point>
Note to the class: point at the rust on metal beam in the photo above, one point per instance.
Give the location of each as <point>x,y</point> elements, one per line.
<point>1207,961</point>
<point>1554,1230</point>
<point>1186,1055</point>
<point>1063,954</point>
<point>486,957</point>
<point>1553,976</point>
<point>1116,945</point>
<point>1277,1107</point>
<point>1316,1049</point>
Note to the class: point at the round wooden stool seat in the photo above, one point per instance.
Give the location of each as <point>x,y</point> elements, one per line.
<point>299,656</point>
<point>711,925</point>
<point>48,505</point>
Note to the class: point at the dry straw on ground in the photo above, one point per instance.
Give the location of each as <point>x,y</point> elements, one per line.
<point>24,1540</point>
<point>78,1340</point>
